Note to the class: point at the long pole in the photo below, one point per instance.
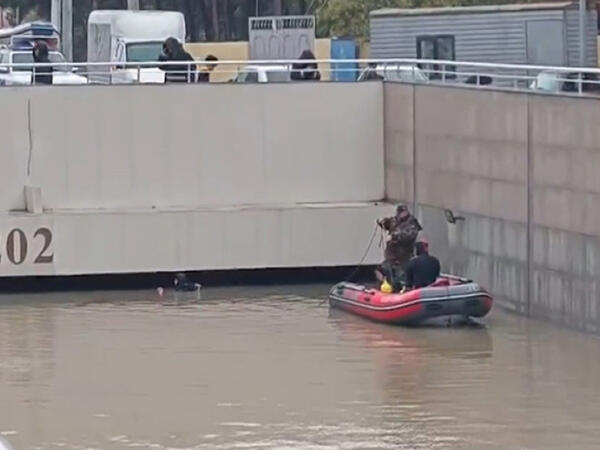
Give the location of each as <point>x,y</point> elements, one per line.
<point>62,18</point>
<point>582,32</point>
<point>55,12</point>
<point>67,29</point>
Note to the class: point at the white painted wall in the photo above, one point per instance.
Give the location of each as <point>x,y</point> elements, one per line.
<point>204,239</point>
<point>193,146</point>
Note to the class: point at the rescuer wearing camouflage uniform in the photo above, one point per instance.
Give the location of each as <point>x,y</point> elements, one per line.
<point>402,230</point>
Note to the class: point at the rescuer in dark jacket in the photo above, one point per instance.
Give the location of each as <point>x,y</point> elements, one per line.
<point>423,269</point>
<point>43,75</point>
<point>176,73</point>
<point>402,229</point>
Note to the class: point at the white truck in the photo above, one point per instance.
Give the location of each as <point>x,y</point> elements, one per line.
<point>122,36</point>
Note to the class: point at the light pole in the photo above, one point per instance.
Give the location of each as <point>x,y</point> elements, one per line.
<point>62,19</point>
<point>582,32</point>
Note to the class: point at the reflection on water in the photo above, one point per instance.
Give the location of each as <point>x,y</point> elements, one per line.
<point>273,368</point>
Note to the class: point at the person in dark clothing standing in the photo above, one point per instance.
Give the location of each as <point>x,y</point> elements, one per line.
<point>176,73</point>
<point>43,75</point>
<point>306,71</point>
<point>211,63</point>
<point>402,229</point>
<point>423,269</point>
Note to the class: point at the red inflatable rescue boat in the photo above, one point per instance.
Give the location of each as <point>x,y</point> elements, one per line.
<point>449,296</point>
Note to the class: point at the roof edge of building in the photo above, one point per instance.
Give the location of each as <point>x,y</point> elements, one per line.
<point>448,10</point>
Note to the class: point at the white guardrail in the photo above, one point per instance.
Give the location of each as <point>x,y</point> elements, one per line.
<point>579,80</point>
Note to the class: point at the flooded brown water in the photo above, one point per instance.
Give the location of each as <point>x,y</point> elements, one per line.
<point>272,368</point>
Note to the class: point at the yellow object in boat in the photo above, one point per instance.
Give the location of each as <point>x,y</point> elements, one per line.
<point>386,287</point>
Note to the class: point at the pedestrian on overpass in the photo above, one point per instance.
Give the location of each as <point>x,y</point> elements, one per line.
<point>204,74</point>
<point>306,71</point>
<point>43,75</point>
<point>176,73</point>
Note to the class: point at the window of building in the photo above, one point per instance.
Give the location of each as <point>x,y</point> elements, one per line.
<point>437,47</point>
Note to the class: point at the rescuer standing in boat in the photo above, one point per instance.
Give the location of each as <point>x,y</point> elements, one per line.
<point>402,230</point>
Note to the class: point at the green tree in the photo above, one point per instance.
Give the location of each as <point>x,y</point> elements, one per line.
<point>29,9</point>
<point>351,17</point>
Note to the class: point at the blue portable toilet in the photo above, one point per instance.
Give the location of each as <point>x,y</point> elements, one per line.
<point>344,48</point>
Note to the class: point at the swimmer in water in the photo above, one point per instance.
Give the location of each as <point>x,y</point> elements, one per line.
<point>182,284</point>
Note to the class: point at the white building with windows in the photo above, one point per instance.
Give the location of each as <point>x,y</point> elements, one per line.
<point>534,33</point>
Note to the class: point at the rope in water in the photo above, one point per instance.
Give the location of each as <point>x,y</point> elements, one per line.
<point>362,260</point>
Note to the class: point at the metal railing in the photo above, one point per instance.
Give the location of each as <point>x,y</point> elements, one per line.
<point>579,80</point>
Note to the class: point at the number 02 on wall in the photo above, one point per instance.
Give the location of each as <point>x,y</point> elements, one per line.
<point>17,247</point>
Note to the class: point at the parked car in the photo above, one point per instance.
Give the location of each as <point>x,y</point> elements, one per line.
<point>264,74</point>
<point>551,81</point>
<point>22,75</point>
<point>396,72</point>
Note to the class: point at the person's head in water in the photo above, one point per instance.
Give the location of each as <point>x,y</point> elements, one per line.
<point>180,279</point>
<point>422,247</point>
<point>211,62</point>
<point>40,52</point>
<point>402,212</point>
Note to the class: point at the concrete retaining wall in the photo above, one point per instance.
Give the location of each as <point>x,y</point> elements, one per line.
<point>565,152</point>
<point>104,242</point>
<point>521,169</point>
<point>161,178</point>
<point>192,146</point>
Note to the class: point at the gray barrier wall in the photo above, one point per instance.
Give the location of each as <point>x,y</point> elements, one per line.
<point>102,147</point>
<point>167,178</point>
<point>521,169</point>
